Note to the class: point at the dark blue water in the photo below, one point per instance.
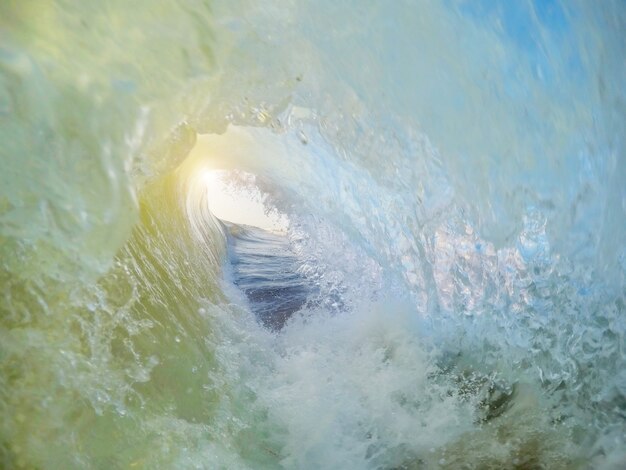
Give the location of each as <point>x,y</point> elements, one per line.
<point>265,268</point>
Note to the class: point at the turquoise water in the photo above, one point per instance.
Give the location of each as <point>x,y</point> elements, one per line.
<point>452,176</point>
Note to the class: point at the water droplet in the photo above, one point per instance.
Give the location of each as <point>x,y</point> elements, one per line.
<point>303,138</point>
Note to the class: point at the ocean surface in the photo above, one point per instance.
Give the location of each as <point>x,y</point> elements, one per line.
<point>447,288</point>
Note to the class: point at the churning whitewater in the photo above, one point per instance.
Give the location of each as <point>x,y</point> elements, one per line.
<point>447,285</point>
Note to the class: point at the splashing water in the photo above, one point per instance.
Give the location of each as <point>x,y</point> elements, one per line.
<point>451,180</point>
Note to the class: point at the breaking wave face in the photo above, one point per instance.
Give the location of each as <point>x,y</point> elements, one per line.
<point>453,177</point>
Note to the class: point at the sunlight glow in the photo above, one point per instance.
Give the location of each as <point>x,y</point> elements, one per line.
<point>240,204</point>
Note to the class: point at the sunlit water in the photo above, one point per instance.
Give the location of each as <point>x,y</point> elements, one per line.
<point>447,290</point>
